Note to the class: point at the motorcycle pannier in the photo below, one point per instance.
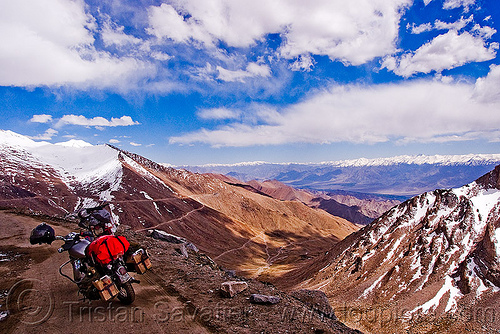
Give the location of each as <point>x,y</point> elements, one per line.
<point>107,289</point>
<point>140,260</point>
<point>107,248</point>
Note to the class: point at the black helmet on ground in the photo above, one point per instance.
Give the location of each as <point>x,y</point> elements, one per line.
<point>43,233</point>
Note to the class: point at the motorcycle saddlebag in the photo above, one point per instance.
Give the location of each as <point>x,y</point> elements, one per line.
<point>107,289</point>
<point>140,261</point>
<point>107,248</point>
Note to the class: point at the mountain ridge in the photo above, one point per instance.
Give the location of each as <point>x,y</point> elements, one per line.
<point>403,176</point>
<point>420,159</point>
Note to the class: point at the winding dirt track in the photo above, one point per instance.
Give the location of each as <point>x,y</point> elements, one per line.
<point>42,301</point>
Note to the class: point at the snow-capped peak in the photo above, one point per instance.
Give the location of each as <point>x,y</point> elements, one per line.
<point>14,139</point>
<point>74,143</point>
<point>74,160</point>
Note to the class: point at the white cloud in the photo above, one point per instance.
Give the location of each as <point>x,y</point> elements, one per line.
<point>166,22</point>
<point>161,56</point>
<point>97,122</point>
<point>218,114</point>
<point>253,70</point>
<point>457,25</point>
<point>303,63</point>
<point>446,51</point>
<point>418,111</point>
<point>114,141</point>
<point>45,136</point>
<point>351,31</point>
<point>420,28</point>
<point>486,88</point>
<point>113,34</point>
<point>440,25</point>
<point>43,118</point>
<point>51,43</point>
<point>452,4</point>
<point>484,32</point>
<point>135,144</point>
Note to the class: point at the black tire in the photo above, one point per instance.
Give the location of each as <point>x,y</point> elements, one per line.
<point>127,294</point>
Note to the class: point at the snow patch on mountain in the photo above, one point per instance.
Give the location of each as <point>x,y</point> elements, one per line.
<point>76,162</point>
<point>433,303</point>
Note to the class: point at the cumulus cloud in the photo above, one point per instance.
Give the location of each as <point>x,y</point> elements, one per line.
<point>351,31</point>
<point>446,51</point>
<point>418,111</point>
<point>95,122</point>
<point>114,141</point>
<point>51,43</point>
<point>43,118</point>
<point>135,144</point>
<point>486,88</point>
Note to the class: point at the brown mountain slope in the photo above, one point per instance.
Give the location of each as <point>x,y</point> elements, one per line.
<point>261,236</point>
<point>361,210</point>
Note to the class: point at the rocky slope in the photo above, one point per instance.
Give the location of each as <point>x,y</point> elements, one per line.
<point>431,263</point>
<point>241,229</point>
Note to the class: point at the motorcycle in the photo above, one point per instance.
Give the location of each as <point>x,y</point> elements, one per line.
<point>100,264</point>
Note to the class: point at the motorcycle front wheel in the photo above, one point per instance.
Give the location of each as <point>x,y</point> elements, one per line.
<point>126,294</point>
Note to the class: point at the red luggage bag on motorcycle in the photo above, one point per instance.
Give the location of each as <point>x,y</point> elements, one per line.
<point>108,248</point>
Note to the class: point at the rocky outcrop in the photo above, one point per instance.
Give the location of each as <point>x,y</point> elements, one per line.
<point>162,235</point>
<point>256,298</point>
<point>316,300</point>
<point>232,288</point>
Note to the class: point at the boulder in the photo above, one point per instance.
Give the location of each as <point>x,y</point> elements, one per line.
<point>316,300</point>
<point>192,247</point>
<point>162,235</point>
<point>232,288</point>
<point>263,299</point>
<point>183,251</point>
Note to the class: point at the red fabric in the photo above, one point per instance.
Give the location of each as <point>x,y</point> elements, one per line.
<point>115,248</point>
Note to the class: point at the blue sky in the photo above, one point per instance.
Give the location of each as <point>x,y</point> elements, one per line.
<point>224,81</point>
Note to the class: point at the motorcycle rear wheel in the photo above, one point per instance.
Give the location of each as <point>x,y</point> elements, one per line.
<point>126,294</point>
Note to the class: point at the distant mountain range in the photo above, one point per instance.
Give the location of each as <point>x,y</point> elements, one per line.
<point>401,176</point>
